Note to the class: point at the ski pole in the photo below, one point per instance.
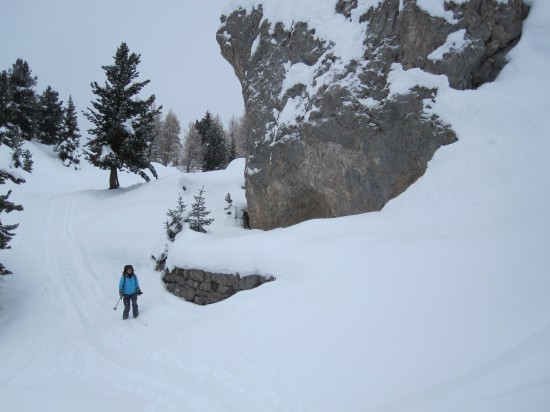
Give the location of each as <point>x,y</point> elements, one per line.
<point>119,299</point>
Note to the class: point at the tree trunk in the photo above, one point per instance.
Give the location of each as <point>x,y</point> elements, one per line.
<point>113,179</point>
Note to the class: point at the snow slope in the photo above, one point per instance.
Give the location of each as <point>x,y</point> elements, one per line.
<point>440,302</point>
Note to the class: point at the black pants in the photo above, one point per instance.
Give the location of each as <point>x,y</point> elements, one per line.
<point>126,300</point>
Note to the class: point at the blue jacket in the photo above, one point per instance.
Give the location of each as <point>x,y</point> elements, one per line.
<point>128,285</point>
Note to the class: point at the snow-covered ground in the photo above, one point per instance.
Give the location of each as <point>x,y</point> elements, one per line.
<point>440,302</point>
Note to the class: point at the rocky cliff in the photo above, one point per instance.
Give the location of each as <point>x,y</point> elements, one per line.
<point>334,128</point>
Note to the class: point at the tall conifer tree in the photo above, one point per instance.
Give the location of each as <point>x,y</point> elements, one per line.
<point>49,116</point>
<point>22,108</point>
<point>123,123</point>
<point>213,143</point>
<point>67,149</point>
<point>5,99</point>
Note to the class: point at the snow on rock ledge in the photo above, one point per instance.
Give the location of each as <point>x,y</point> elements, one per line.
<point>328,134</point>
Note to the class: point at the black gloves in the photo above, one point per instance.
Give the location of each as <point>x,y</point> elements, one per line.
<point>139,292</point>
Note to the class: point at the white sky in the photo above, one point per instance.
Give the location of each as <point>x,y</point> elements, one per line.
<point>67,41</point>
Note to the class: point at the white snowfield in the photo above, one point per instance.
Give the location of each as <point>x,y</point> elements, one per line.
<point>438,303</point>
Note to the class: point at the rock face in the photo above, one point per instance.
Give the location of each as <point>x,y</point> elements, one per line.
<point>330,133</point>
<point>202,287</point>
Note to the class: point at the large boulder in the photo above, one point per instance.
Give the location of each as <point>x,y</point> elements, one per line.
<point>330,131</point>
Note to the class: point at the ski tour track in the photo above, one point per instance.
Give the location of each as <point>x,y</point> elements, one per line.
<point>81,343</point>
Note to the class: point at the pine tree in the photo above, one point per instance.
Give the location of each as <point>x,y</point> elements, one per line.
<point>215,151</point>
<point>173,226</point>
<point>10,131</point>
<point>213,142</point>
<point>4,173</point>
<point>6,231</point>
<point>175,221</point>
<point>21,158</point>
<point>197,219</point>
<point>67,149</point>
<point>124,124</point>
<point>22,99</point>
<point>4,98</point>
<point>49,118</point>
<point>11,144</point>
<point>203,125</point>
<point>6,206</point>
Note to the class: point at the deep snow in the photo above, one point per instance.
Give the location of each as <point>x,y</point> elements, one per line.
<point>440,302</point>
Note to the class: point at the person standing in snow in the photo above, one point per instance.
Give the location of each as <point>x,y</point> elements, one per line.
<point>129,290</point>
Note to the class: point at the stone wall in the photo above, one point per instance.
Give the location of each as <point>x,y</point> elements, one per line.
<point>203,288</point>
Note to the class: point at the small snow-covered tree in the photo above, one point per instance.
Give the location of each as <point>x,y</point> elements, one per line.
<point>21,158</point>
<point>229,203</point>
<point>197,219</point>
<point>173,226</point>
<point>67,148</point>
<point>160,262</point>
<point>174,223</point>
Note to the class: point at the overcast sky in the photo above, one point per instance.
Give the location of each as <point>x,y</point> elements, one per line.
<point>67,41</point>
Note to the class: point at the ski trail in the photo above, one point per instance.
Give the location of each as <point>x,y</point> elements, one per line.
<point>69,298</point>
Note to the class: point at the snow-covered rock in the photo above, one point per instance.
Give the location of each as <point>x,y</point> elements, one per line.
<point>339,94</point>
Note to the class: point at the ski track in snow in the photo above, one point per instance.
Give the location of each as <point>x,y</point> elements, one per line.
<point>74,303</point>
<point>83,343</point>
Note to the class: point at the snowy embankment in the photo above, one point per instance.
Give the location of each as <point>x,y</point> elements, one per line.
<point>440,302</point>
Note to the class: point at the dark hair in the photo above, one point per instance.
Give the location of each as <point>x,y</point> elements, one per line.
<point>126,268</point>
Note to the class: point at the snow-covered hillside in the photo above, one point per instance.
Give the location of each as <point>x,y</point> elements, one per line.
<point>440,302</point>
